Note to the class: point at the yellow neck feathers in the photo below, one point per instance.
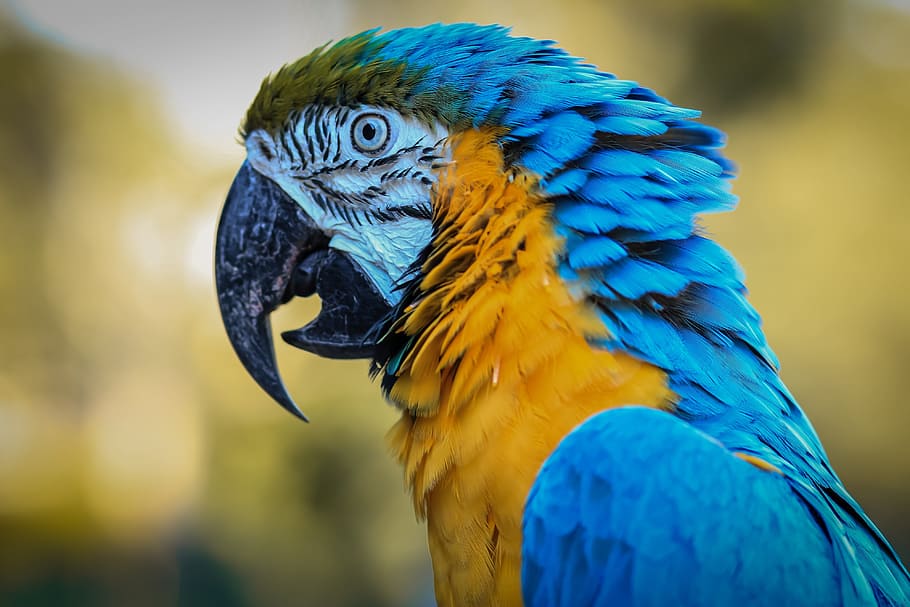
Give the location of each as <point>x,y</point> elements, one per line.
<point>499,371</point>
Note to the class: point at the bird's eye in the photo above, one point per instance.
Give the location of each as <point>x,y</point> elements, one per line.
<point>370,133</point>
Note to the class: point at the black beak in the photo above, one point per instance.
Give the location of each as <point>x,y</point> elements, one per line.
<point>268,250</point>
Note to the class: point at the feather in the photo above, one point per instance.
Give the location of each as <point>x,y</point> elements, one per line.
<point>618,162</point>
<point>595,252</point>
<point>565,182</point>
<point>632,278</point>
<point>676,500</point>
<point>656,110</point>
<point>630,125</point>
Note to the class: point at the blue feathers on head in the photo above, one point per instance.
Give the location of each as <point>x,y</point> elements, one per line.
<point>627,173</point>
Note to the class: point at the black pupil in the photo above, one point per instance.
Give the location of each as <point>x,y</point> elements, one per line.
<point>368,131</point>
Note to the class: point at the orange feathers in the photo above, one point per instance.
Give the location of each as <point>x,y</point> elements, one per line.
<point>500,371</point>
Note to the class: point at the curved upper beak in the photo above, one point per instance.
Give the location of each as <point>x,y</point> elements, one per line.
<point>262,236</point>
<point>267,250</point>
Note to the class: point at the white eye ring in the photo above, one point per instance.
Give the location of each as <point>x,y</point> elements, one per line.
<point>370,133</point>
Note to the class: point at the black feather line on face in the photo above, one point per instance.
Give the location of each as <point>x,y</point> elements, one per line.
<point>304,163</point>
<point>356,207</point>
<point>343,114</point>
<point>283,140</point>
<point>323,124</point>
<point>320,201</point>
<point>347,164</point>
<point>320,135</point>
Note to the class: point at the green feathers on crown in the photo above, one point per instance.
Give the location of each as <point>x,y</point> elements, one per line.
<point>350,72</point>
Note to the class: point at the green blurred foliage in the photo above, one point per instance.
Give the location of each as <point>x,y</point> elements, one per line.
<point>139,465</point>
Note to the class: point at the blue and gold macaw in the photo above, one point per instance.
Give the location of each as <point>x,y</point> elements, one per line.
<point>590,413</point>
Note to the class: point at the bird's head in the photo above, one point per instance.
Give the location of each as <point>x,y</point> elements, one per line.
<point>346,147</point>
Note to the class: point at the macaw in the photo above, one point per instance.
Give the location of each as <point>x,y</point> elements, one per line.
<point>590,412</point>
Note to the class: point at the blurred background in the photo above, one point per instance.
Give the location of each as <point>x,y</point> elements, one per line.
<point>139,465</point>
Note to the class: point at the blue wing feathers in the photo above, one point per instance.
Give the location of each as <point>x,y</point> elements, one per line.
<point>685,523</point>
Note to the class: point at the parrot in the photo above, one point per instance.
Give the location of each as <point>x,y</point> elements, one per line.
<point>590,413</point>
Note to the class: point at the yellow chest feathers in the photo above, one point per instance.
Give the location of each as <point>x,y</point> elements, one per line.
<point>499,371</point>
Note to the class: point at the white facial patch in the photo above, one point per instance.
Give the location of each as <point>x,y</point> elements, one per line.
<point>364,176</point>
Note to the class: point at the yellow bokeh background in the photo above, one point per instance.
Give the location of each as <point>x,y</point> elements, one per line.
<point>139,465</point>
